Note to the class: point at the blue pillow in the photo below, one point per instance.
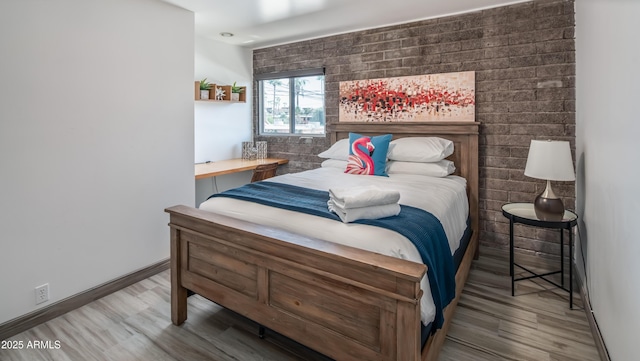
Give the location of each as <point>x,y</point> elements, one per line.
<point>368,155</point>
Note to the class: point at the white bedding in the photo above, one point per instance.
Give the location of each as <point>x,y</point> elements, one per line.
<point>445,198</point>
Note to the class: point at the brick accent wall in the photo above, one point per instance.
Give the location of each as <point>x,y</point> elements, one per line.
<point>524,59</point>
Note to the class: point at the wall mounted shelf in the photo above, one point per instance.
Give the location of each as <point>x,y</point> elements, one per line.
<point>212,94</point>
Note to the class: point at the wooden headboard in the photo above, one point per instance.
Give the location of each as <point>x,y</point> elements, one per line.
<point>463,134</point>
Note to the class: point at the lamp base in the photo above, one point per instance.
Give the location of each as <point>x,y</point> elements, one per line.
<point>548,209</point>
<point>548,206</point>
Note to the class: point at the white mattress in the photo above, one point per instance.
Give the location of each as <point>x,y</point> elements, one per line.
<point>445,198</point>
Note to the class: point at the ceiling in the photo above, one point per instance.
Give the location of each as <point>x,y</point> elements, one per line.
<point>263,23</point>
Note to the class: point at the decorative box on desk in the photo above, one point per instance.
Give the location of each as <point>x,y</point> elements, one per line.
<point>525,214</point>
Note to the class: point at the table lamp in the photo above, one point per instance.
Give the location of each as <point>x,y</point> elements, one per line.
<point>551,161</point>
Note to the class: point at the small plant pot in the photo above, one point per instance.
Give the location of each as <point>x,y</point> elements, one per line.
<point>204,94</point>
<point>235,97</point>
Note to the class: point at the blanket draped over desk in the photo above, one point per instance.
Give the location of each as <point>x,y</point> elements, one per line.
<point>422,228</point>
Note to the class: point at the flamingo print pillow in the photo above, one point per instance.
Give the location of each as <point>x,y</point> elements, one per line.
<point>368,155</point>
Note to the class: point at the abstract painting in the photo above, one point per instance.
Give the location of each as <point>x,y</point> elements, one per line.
<point>421,98</point>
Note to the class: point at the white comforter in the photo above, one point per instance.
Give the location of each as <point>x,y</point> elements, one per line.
<point>445,198</point>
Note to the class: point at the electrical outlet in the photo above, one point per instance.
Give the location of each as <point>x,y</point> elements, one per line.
<point>42,293</point>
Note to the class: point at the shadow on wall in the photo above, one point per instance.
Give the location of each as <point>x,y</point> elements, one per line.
<point>582,244</point>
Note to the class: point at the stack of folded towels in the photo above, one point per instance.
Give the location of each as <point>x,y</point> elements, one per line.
<point>371,202</point>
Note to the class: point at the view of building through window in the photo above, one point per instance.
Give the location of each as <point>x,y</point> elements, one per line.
<point>292,105</point>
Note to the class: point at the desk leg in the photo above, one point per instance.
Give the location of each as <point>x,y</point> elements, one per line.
<point>562,257</point>
<point>511,256</point>
<point>570,268</point>
<point>214,180</point>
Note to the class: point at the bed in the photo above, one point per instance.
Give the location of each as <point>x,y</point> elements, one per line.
<point>345,302</point>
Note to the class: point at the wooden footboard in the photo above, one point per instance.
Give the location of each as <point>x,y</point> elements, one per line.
<point>344,302</point>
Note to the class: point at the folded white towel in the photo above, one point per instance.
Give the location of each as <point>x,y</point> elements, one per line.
<point>347,198</point>
<point>371,212</point>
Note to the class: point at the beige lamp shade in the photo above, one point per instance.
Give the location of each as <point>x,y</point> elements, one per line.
<point>550,160</point>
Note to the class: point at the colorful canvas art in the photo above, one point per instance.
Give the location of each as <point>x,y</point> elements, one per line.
<point>421,98</point>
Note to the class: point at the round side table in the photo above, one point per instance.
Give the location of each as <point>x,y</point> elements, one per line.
<point>524,213</point>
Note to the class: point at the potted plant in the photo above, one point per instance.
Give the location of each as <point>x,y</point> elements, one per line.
<point>204,89</point>
<point>235,92</point>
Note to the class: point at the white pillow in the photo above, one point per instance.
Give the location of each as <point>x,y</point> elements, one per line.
<point>434,169</point>
<point>339,150</point>
<point>420,149</point>
<point>334,163</point>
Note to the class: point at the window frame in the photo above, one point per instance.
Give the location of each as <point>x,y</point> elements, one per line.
<point>291,76</point>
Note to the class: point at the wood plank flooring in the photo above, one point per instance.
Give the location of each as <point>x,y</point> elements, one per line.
<point>489,324</point>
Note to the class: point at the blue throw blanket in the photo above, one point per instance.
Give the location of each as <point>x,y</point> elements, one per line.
<point>419,226</point>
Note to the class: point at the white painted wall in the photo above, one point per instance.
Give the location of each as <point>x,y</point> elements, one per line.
<point>96,139</point>
<point>608,133</point>
<point>220,128</point>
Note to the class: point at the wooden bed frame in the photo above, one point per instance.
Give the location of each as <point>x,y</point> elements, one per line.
<point>346,303</point>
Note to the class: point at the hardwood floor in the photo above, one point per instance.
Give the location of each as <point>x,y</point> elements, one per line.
<point>489,324</point>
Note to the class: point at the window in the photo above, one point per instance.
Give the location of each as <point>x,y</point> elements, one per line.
<point>292,103</point>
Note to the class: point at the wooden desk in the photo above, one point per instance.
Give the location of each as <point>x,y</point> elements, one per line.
<point>212,169</point>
